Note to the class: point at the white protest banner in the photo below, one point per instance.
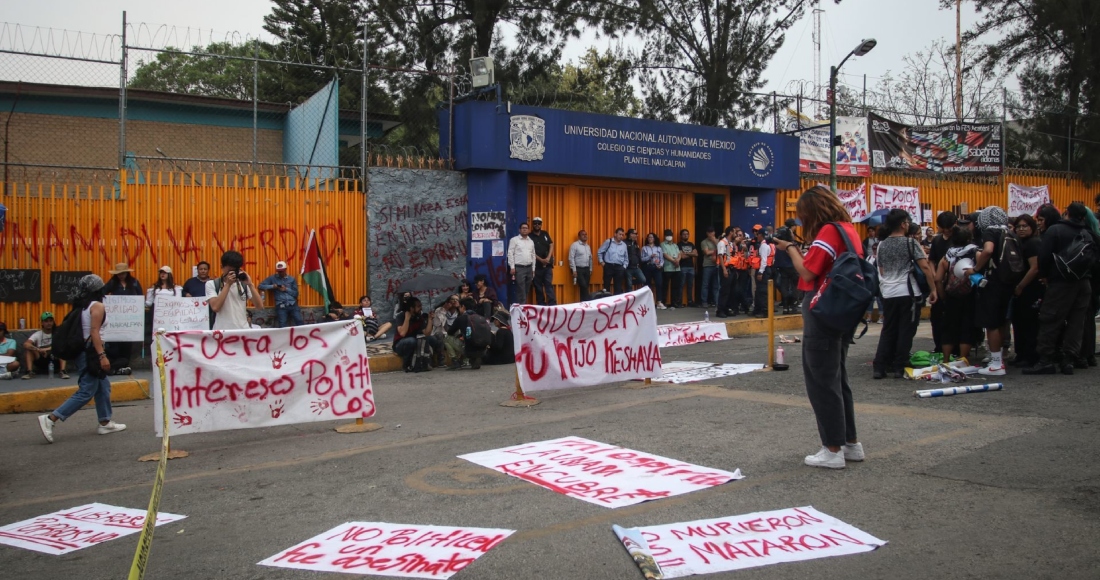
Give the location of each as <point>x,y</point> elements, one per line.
<point>579,345</point>
<point>487,225</point>
<point>240,379</point>
<point>178,313</point>
<point>855,201</point>
<point>1026,200</point>
<point>751,540</point>
<point>690,333</point>
<point>599,473</point>
<point>682,376</point>
<point>402,550</point>
<point>896,197</point>
<point>125,319</point>
<point>67,530</point>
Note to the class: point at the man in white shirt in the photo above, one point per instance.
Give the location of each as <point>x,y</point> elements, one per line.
<point>229,294</point>
<point>580,261</point>
<point>763,272</point>
<point>521,259</point>
<point>38,349</point>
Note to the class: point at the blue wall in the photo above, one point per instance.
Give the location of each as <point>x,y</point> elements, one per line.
<point>496,191</point>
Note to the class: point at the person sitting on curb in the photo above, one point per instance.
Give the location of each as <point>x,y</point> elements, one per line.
<point>7,348</point>
<point>38,352</point>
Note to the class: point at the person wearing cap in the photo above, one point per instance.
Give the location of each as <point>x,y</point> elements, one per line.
<point>93,366</point>
<point>122,283</point>
<point>521,260</point>
<point>286,296</point>
<point>7,348</point>
<point>544,265</point>
<point>37,349</point>
<point>164,286</point>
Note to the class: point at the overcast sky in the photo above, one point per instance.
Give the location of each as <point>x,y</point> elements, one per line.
<point>900,26</point>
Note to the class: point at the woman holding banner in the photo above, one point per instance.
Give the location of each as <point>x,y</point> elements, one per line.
<point>824,352</point>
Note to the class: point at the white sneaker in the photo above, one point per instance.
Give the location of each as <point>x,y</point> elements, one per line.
<point>46,426</point>
<point>826,458</point>
<point>660,306</point>
<point>111,427</point>
<point>5,376</point>
<point>993,371</point>
<point>853,452</point>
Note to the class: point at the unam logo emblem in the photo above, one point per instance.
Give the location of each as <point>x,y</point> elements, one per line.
<point>527,138</point>
<point>761,160</point>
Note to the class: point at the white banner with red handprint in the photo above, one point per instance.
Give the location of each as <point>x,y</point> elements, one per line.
<point>240,379</point>
<point>590,343</point>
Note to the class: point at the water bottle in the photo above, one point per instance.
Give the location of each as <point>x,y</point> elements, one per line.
<point>780,356</point>
<point>263,296</point>
<point>706,316</point>
<point>51,369</point>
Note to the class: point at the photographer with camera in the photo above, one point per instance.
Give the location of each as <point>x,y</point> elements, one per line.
<point>230,293</point>
<point>784,267</point>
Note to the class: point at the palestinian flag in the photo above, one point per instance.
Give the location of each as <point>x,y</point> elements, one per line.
<point>313,270</point>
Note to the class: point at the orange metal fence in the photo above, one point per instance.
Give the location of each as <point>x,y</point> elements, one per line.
<point>178,220</point>
<point>946,193</point>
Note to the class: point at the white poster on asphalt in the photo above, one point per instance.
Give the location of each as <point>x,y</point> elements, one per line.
<point>178,313</point>
<point>401,550</point>
<point>896,197</point>
<point>241,379</point>
<point>690,333</point>
<point>1026,200</point>
<point>606,475</point>
<point>68,530</point>
<point>746,541</point>
<point>590,343</point>
<point>125,320</point>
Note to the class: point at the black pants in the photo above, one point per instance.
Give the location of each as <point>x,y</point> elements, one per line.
<point>896,340</point>
<point>788,286</point>
<point>1025,324</point>
<point>725,289</point>
<point>544,286</point>
<point>614,273</point>
<point>1065,307</point>
<point>584,276</point>
<point>761,299</point>
<point>673,281</point>
<point>824,368</point>
<point>937,320</point>
<point>1088,340</point>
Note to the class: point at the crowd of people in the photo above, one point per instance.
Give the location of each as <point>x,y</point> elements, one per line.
<point>733,269</point>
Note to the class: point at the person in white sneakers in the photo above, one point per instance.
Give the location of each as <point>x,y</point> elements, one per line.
<point>93,366</point>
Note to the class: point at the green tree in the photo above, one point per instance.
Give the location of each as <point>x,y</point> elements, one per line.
<point>1055,46</point>
<point>597,83</point>
<point>207,73</point>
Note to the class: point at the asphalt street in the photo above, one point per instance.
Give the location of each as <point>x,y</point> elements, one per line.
<point>993,485</point>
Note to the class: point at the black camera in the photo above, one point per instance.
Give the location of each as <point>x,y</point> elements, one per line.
<point>242,276</point>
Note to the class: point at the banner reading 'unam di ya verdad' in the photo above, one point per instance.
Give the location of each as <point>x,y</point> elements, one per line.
<point>590,343</point>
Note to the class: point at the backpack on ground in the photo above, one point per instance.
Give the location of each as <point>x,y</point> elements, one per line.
<point>848,290</point>
<point>422,356</point>
<point>68,337</point>
<point>1076,260</point>
<point>478,333</point>
<point>1011,265</point>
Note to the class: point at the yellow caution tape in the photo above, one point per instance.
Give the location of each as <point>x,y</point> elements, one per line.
<point>145,541</point>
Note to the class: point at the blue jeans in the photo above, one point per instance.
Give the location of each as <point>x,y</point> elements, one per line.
<point>653,277</point>
<point>634,276</point>
<point>406,348</point>
<point>709,291</point>
<point>90,388</point>
<point>282,311</point>
<point>687,280</point>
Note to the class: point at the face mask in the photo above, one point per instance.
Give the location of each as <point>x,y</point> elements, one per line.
<point>668,238</point>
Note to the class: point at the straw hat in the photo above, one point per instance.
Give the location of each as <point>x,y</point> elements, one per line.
<point>120,268</point>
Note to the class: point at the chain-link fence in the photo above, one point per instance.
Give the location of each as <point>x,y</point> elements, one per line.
<point>184,101</point>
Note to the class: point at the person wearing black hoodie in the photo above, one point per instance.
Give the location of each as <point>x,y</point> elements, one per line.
<point>1066,301</point>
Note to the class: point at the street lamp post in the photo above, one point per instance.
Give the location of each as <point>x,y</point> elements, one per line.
<point>864,47</point>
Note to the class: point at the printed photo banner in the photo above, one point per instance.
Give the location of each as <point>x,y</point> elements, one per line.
<point>746,541</point>
<point>241,379</point>
<point>125,319</point>
<point>599,473</point>
<point>80,527</point>
<point>178,313</point>
<point>1026,200</point>
<point>401,550</point>
<point>590,343</point>
<point>968,148</point>
<point>886,197</point>
<point>690,333</point>
<point>853,156</point>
